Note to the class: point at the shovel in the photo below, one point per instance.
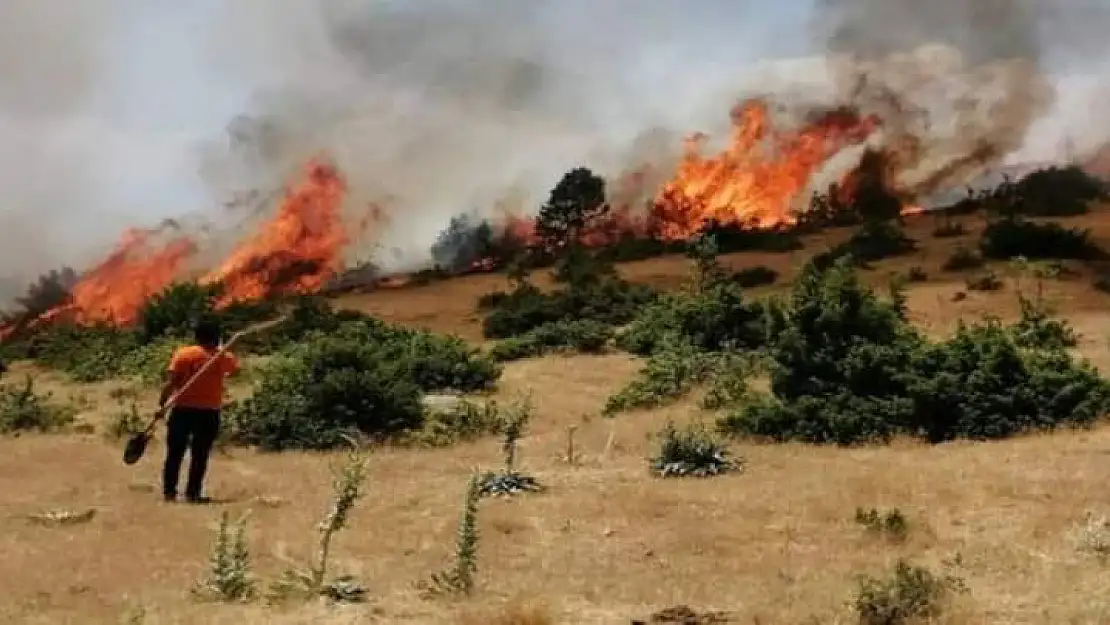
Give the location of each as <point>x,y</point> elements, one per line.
<point>136,445</point>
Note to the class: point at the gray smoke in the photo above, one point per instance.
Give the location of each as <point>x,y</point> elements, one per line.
<point>957,83</point>
<point>442,107</point>
<point>51,58</point>
<point>962,85</point>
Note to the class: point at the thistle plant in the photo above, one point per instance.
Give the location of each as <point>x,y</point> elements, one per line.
<point>229,577</point>
<point>347,490</point>
<point>510,482</point>
<point>459,579</point>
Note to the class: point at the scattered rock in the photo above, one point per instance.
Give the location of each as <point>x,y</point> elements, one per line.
<point>62,517</point>
<point>442,403</point>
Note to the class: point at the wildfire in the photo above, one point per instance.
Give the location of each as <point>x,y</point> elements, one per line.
<point>114,291</point>
<point>754,180</point>
<point>298,250</point>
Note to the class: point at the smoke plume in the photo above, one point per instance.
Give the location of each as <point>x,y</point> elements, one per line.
<point>963,84</point>
<point>441,107</point>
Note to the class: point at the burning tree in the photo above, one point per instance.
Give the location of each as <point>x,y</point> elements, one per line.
<point>576,201</point>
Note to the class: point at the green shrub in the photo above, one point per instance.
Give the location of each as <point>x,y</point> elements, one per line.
<point>585,336</point>
<point>1013,237</point>
<point>718,319</point>
<point>712,316</point>
<point>148,362</point>
<point>174,310</point>
<point>87,354</point>
<point>691,452</point>
<point>305,316</point>
<point>980,384</point>
<point>848,368</point>
<point>909,595</point>
<point>668,375</point>
<point>611,301</point>
<point>463,421</point>
<point>23,409</point>
<point>345,392</point>
<point>367,379</point>
<point>1038,329</point>
<point>874,241</point>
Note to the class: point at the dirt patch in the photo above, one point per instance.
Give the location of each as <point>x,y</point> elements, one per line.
<point>684,615</point>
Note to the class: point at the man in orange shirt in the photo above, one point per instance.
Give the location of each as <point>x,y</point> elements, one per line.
<point>194,419</point>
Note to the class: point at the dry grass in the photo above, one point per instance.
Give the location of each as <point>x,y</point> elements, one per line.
<point>607,542</point>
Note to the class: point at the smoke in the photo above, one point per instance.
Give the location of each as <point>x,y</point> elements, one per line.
<point>73,171</point>
<point>965,85</point>
<point>958,83</point>
<point>442,107</point>
<point>434,108</point>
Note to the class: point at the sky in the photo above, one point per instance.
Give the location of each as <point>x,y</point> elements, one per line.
<point>115,111</point>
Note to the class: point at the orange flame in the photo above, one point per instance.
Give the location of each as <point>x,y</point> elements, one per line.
<point>114,290</point>
<point>299,250</point>
<point>753,181</point>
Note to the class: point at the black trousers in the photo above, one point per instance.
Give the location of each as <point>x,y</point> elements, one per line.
<point>195,430</point>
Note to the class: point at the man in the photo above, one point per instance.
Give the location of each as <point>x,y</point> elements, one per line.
<point>194,419</point>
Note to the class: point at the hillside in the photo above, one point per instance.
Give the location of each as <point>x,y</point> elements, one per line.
<point>607,542</point>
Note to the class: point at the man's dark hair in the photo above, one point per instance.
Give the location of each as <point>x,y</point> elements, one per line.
<point>207,332</point>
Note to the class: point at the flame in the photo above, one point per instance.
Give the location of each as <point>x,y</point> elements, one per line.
<point>114,291</point>
<point>754,180</point>
<point>298,250</point>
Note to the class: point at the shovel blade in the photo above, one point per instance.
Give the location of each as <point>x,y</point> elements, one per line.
<point>135,448</point>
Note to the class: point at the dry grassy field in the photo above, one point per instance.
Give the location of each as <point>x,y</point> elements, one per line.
<point>607,542</point>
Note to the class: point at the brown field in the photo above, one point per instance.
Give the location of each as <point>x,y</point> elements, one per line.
<point>776,543</point>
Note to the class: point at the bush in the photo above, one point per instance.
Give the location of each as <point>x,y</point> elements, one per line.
<point>174,310</point>
<point>908,595</point>
<point>1038,329</point>
<point>717,319</point>
<point>1013,237</point>
<point>86,354</point>
<point>1058,192</point>
<point>874,241</point>
<point>305,404</point>
<point>367,378</point>
<point>963,259</point>
<point>584,336</point>
<point>23,409</point>
<point>463,421</point>
<point>848,368</point>
<point>676,370</point>
<point>609,301</point>
<point>691,452</point>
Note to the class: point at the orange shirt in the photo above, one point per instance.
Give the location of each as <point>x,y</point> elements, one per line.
<point>208,389</point>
